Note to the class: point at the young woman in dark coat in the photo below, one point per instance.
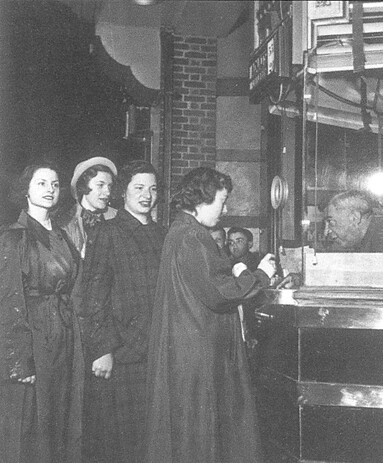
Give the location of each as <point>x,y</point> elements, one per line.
<point>120,276</point>
<point>200,403</point>
<point>40,351</point>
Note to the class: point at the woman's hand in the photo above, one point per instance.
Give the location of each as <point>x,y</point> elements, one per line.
<point>238,269</point>
<point>293,280</point>
<point>28,380</point>
<point>268,265</point>
<point>102,367</point>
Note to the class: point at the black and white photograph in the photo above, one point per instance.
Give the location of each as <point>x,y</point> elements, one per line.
<point>191,231</point>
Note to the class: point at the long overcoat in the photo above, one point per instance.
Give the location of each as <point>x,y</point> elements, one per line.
<point>120,276</point>
<point>201,407</point>
<point>21,355</point>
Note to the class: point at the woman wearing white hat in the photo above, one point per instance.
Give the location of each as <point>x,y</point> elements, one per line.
<point>91,188</point>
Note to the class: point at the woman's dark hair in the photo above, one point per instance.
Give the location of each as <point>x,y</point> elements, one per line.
<point>19,190</point>
<point>200,186</point>
<point>131,169</point>
<point>82,184</point>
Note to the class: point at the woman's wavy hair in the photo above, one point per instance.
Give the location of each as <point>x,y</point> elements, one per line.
<point>19,190</point>
<point>199,186</point>
<point>131,169</point>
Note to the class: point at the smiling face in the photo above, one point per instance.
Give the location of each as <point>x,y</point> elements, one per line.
<point>209,214</point>
<point>44,189</point>
<point>141,195</point>
<point>100,188</point>
<point>343,227</point>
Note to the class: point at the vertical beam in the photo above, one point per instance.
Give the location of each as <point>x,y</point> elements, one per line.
<point>167,50</point>
<point>288,171</point>
<point>265,177</point>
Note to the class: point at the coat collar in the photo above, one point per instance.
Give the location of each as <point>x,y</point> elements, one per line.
<point>184,217</point>
<point>128,219</point>
<point>36,229</point>
<point>189,219</point>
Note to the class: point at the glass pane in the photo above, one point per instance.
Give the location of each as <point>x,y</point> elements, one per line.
<point>338,160</point>
<point>342,178</point>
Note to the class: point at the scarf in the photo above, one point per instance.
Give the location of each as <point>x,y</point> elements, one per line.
<point>91,218</point>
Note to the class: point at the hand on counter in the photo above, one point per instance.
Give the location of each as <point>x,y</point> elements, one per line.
<point>293,280</point>
<point>268,265</point>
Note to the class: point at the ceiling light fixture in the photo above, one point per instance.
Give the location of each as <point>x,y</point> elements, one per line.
<point>145,2</point>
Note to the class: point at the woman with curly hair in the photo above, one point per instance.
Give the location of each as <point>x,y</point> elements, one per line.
<point>41,363</point>
<point>201,408</point>
<point>120,276</point>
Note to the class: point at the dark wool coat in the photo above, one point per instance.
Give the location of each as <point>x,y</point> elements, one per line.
<point>39,334</point>
<point>120,276</point>
<point>251,260</point>
<point>201,408</point>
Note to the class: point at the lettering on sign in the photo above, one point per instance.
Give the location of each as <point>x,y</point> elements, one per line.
<point>258,69</point>
<point>325,10</point>
<point>322,3</point>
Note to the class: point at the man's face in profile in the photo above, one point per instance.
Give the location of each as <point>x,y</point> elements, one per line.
<point>343,228</point>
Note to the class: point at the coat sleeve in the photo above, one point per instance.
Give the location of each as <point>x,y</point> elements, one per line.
<point>209,276</point>
<point>16,335</point>
<point>100,335</point>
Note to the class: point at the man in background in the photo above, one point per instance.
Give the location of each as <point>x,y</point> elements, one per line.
<point>240,241</point>
<point>219,236</point>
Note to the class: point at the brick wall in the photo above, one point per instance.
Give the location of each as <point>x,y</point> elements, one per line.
<point>194,105</point>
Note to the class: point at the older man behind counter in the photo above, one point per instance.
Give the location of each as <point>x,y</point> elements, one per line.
<point>352,224</point>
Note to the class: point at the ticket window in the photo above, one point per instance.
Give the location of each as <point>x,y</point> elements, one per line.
<point>343,160</point>
<point>339,161</point>
<point>335,159</point>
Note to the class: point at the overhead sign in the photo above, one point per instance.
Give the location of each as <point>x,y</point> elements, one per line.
<point>262,69</point>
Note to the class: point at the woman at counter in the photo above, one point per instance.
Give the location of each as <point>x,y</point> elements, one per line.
<point>40,352</point>
<point>201,408</point>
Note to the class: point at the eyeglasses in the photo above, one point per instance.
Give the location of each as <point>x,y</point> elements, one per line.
<point>237,241</point>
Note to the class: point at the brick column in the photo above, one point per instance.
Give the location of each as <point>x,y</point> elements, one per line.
<point>194,105</point>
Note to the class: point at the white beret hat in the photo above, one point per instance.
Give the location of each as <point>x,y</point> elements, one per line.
<point>84,165</point>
